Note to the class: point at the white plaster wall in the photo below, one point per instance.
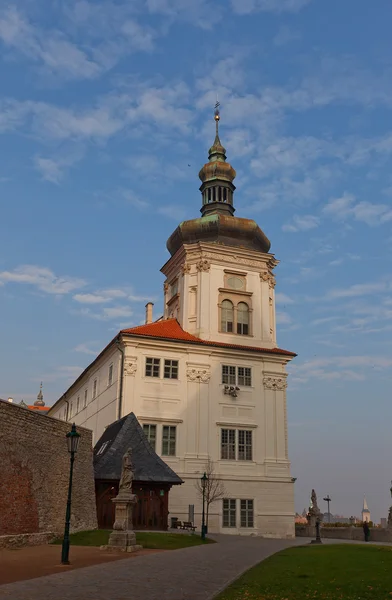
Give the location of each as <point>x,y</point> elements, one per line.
<point>101,411</point>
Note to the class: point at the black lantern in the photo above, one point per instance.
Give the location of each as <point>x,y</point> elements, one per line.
<point>73,438</point>
<point>204,480</point>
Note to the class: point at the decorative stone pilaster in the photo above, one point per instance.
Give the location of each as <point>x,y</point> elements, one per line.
<point>267,276</point>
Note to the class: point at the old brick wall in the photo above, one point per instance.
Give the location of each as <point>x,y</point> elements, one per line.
<point>34,474</point>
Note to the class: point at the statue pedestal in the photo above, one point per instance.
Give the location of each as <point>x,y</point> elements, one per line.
<point>123,538</point>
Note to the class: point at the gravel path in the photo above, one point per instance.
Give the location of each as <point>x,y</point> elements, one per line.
<point>197,573</point>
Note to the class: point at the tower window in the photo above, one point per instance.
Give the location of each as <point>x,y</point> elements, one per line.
<point>242,318</point>
<point>227,316</point>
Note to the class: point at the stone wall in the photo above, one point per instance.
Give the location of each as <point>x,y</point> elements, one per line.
<point>345,533</point>
<point>34,474</point>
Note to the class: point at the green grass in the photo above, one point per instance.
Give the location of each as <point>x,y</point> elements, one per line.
<point>158,541</point>
<point>330,572</point>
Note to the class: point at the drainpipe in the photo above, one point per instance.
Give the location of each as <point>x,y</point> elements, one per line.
<point>118,343</point>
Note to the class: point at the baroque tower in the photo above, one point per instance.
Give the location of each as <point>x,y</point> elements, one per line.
<point>219,280</point>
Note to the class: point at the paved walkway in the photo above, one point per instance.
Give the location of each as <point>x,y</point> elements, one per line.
<point>197,573</point>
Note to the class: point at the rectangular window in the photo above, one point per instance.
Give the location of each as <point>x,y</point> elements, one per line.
<point>110,377</point>
<point>244,444</point>
<point>95,384</point>
<point>170,369</point>
<point>237,375</point>
<point>168,440</point>
<point>228,444</point>
<point>85,399</point>
<point>174,288</point>
<point>229,512</point>
<point>153,367</point>
<point>228,374</point>
<point>150,431</point>
<point>247,513</point>
<point>71,410</point>
<point>65,414</point>
<point>77,404</point>
<point>244,376</point>
<point>243,328</point>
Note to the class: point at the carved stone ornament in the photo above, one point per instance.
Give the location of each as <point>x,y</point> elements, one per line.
<point>202,375</point>
<point>130,368</point>
<point>229,258</point>
<point>266,276</point>
<point>185,268</point>
<point>165,287</point>
<point>203,265</point>
<point>275,383</point>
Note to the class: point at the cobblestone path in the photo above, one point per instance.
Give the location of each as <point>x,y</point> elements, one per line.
<point>197,573</point>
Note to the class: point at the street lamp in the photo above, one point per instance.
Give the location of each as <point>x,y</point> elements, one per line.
<point>327,499</point>
<point>73,442</point>
<point>204,480</point>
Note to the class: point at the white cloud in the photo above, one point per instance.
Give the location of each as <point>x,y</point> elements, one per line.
<point>117,312</point>
<point>142,37</point>
<point>42,278</point>
<point>86,348</point>
<point>301,223</point>
<point>283,318</point>
<point>346,207</point>
<point>359,289</point>
<point>286,35</point>
<point>339,368</point>
<point>244,7</point>
<point>52,49</point>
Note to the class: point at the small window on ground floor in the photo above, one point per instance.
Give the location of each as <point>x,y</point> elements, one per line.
<point>247,519</point>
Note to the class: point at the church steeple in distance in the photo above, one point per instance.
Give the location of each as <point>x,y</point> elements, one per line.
<point>40,397</point>
<point>217,177</point>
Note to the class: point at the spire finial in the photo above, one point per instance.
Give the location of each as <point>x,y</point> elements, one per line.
<point>217,116</point>
<point>40,397</point>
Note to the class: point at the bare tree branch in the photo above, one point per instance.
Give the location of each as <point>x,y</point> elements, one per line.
<point>214,487</point>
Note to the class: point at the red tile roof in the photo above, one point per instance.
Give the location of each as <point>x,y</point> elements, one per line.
<point>40,408</point>
<point>170,329</point>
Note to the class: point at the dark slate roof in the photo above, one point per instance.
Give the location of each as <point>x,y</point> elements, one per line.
<point>121,435</point>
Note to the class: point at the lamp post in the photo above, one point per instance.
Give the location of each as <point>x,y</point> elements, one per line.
<point>327,499</point>
<point>73,442</point>
<point>204,480</point>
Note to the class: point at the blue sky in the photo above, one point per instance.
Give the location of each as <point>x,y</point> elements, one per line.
<point>104,105</point>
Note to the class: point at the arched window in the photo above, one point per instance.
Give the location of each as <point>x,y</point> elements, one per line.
<point>242,318</point>
<point>227,316</point>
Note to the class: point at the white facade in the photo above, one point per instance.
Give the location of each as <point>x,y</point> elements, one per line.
<point>208,381</point>
<point>194,405</point>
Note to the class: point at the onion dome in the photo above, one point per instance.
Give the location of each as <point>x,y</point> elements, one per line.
<point>40,398</point>
<point>217,178</point>
<point>218,223</point>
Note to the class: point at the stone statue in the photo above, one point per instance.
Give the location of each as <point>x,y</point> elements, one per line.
<point>389,523</point>
<point>123,538</point>
<point>126,472</point>
<point>314,513</point>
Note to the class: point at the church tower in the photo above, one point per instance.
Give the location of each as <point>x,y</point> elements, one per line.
<point>365,511</point>
<point>219,279</point>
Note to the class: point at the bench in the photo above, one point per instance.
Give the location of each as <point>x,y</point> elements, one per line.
<point>188,525</point>
<point>177,524</point>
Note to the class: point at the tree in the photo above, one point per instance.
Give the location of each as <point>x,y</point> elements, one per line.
<point>214,487</point>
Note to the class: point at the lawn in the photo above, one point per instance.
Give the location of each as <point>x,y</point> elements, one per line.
<point>161,541</point>
<point>330,572</point>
